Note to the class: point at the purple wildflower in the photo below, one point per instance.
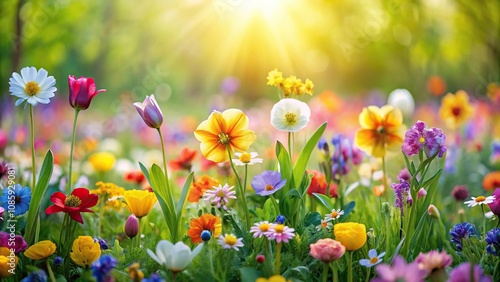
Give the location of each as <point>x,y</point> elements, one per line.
<point>462,273</point>
<point>405,175</point>
<point>101,268</point>
<point>493,240</point>
<point>495,152</point>
<point>461,231</point>
<point>4,169</point>
<point>402,191</point>
<point>267,182</point>
<point>400,271</point>
<point>460,193</point>
<point>19,243</point>
<point>418,137</point>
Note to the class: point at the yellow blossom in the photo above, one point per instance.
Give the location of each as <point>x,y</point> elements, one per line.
<point>274,78</point>
<point>41,250</point>
<point>135,273</point>
<point>307,87</point>
<point>455,109</point>
<point>274,278</point>
<point>109,192</point>
<point>350,234</point>
<point>102,162</point>
<point>6,269</point>
<point>139,202</point>
<point>85,251</point>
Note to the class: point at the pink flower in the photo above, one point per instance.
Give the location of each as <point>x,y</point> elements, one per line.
<point>219,195</point>
<point>150,112</point>
<point>259,229</point>
<point>327,250</point>
<point>433,261</point>
<point>82,91</point>
<point>280,233</point>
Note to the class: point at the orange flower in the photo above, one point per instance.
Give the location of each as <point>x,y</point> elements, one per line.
<point>378,190</point>
<point>491,181</point>
<point>318,184</point>
<point>200,185</point>
<point>455,109</point>
<point>436,85</point>
<point>184,161</point>
<point>381,129</point>
<point>206,222</point>
<point>223,131</point>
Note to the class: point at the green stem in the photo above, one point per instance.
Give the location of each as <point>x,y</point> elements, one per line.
<point>349,266</point>
<point>49,269</point>
<point>241,188</point>
<point>33,161</point>
<point>325,271</point>
<point>275,204</point>
<point>70,176</point>
<point>368,274</point>
<point>139,233</point>
<point>101,216</point>
<point>277,262</point>
<point>384,180</point>
<point>335,272</point>
<point>165,164</point>
<point>484,222</point>
<point>290,149</point>
<point>408,231</point>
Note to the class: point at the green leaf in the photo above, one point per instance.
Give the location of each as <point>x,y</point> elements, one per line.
<point>36,198</point>
<point>397,250</point>
<point>410,168</point>
<point>146,173</point>
<point>324,200</point>
<point>179,209</point>
<point>159,185</point>
<point>285,165</point>
<point>305,154</point>
<point>301,270</point>
<point>249,274</point>
<point>349,208</point>
<point>312,218</point>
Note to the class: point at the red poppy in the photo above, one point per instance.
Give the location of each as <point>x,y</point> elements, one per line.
<point>184,162</point>
<point>318,184</point>
<point>134,176</point>
<point>79,201</point>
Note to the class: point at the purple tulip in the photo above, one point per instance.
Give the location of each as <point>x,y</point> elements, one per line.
<point>150,112</point>
<point>82,91</point>
<point>132,226</point>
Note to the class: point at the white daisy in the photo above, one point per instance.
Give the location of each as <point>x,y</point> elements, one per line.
<point>32,86</point>
<point>480,200</point>
<point>325,224</point>
<point>334,214</point>
<point>229,241</point>
<point>373,258</point>
<point>290,115</point>
<point>246,159</point>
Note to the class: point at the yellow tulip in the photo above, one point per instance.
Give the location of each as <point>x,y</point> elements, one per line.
<point>102,162</point>
<point>350,234</point>
<point>41,250</point>
<point>85,251</point>
<point>139,202</point>
<point>274,278</point>
<point>8,262</point>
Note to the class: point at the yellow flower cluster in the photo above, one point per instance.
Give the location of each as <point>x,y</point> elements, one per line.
<point>108,191</point>
<point>8,263</point>
<point>290,85</point>
<point>85,251</point>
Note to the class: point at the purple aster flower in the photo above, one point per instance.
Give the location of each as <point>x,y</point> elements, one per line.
<point>405,175</point>
<point>267,182</point>
<point>101,268</point>
<point>402,191</point>
<point>461,231</point>
<point>418,137</point>
<point>102,243</point>
<point>460,193</point>
<point>19,243</point>
<point>323,145</point>
<point>493,240</point>
<point>400,271</point>
<point>462,273</point>
<point>219,195</point>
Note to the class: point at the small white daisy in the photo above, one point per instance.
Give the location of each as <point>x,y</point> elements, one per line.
<point>325,224</point>
<point>229,241</point>
<point>335,214</point>
<point>246,159</point>
<point>480,200</point>
<point>373,258</point>
<point>219,195</point>
<point>290,115</point>
<point>32,86</point>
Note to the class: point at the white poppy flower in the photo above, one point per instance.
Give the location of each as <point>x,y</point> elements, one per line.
<point>175,257</point>
<point>32,86</point>
<point>290,115</point>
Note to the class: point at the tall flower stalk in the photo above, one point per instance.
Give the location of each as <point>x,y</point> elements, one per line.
<point>70,183</point>
<point>32,140</point>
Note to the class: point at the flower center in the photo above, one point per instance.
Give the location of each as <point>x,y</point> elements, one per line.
<point>230,240</point>
<point>245,158</point>
<point>32,88</point>
<point>421,140</point>
<point>334,214</point>
<point>223,138</point>
<point>221,194</point>
<point>269,187</point>
<point>374,260</point>
<point>291,118</point>
<point>456,111</point>
<point>324,223</point>
<point>18,199</point>
<point>380,130</point>
<point>279,228</point>
<point>72,201</point>
<point>480,199</point>
<point>264,227</point>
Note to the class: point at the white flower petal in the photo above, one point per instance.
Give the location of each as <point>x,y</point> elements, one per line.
<point>41,75</point>
<point>25,74</point>
<point>18,79</point>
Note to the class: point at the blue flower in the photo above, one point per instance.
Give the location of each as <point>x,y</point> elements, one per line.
<point>154,278</point>
<point>460,231</point>
<point>58,261</point>
<point>102,267</point>
<point>102,243</point>
<point>493,240</point>
<point>36,276</point>
<point>280,219</point>
<point>18,198</point>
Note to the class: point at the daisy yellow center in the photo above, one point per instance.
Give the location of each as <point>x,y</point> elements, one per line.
<point>374,260</point>
<point>334,214</point>
<point>279,228</point>
<point>223,138</point>
<point>264,227</point>
<point>72,201</point>
<point>245,158</point>
<point>221,194</point>
<point>269,187</point>
<point>324,224</point>
<point>32,88</point>
<point>291,118</point>
<point>380,130</point>
<point>480,199</point>
<point>421,140</point>
<point>230,240</point>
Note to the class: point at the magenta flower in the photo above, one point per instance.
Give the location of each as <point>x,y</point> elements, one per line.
<point>400,271</point>
<point>267,182</point>
<point>462,273</point>
<point>418,137</point>
<point>433,261</point>
<point>495,206</point>
<point>280,233</point>
<point>82,91</point>
<point>18,244</point>
<point>150,112</point>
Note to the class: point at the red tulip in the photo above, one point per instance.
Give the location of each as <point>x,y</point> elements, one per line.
<point>81,92</point>
<point>79,201</point>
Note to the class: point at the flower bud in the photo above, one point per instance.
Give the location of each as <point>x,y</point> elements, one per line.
<point>280,219</point>
<point>132,226</point>
<point>205,235</point>
<point>421,193</point>
<point>150,112</point>
<point>433,211</point>
<point>260,258</point>
<point>81,92</point>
